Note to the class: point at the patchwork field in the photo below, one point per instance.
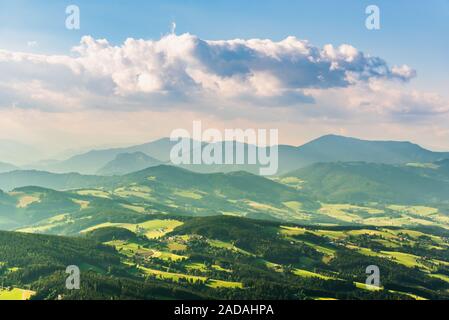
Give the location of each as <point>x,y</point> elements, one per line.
<point>151,229</point>
<point>231,236</point>
<point>16,294</point>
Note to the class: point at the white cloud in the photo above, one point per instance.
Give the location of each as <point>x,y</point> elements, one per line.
<point>403,71</point>
<point>186,66</point>
<point>228,80</point>
<point>377,100</point>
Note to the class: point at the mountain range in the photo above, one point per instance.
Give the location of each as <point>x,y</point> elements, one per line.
<point>343,182</point>
<point>128,162</point>
<point>319,193</point>
<point>141,228</point>
<point>329,148</point>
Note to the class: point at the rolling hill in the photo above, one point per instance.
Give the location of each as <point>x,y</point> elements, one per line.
<point>334,148</point>
<point>332,193</point>
<point>165,232</point>
<point>44,270</point>
<point>228,258</point>
<point>128,162</point>
<point>162,189</point>
<point>330,148</point>
<point>92,161</point>
<point>351,182</point>
<point>64,181</point>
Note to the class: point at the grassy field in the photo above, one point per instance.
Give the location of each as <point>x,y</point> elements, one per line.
<point>131,249</point>
<point>392,240</point>
<point>417,210</point>
<point>152,229</point>
<point>94,193</point>
<point>167,256</point>
<point>196,266</point>
<point>406,259</point>
<point>226,245</point>
<point>441,277</point>
<point>292,231</point>
<point>212,283</point>
<point>365,286</point>
<point>293,205</point>
<point>310,274</point>
<point>172,276</point>
<point>16,294</point>
<point>134,191</point>
<point>293,182</point>
<point>158,228</point>
<point>347,212</point>
<point>26,200</point>
<point>135,208</point>
<point>191,194</point>
<point>224,284</point>
<point>47,224</point>
<point>84,204</point>
<point>388,215</point>
<point>176,246</point>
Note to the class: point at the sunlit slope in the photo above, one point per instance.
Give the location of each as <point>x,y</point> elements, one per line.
<point>363,182</point>
<point>324,261</point>
<point>326,194</point>
<point>104,275</point>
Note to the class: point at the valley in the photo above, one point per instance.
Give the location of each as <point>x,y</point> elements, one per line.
<point>165,232</point>
<point>231,258</point>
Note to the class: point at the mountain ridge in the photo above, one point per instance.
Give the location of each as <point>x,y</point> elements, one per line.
<point>356,182</point>
<point>125,163</point>
<point>328,148</point>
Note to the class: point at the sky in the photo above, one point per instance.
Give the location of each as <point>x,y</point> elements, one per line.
<point>307,68</point>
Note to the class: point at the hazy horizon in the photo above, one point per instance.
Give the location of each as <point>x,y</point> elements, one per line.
<point>68,153</point>
<point>128,81</point>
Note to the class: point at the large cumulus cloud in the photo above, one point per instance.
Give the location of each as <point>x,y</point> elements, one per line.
<point>176,67</point>
<point>142,89</point>
<point>234,67</point>
<point>226,78</point>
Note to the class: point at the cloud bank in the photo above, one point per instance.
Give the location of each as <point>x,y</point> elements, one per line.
<point>186,68</point>
<point>256,80</point>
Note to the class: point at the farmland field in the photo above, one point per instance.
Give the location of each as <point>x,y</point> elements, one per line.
<point>15,294</point>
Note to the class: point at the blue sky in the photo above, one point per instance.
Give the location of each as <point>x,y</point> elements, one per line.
<point>412,32</point>
<point>385,84</point>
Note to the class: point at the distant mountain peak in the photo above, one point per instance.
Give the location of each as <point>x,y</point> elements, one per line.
<point>125,163</point>
<point>327,148</point>
<point>133,155</point>
<point>336,137</point>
